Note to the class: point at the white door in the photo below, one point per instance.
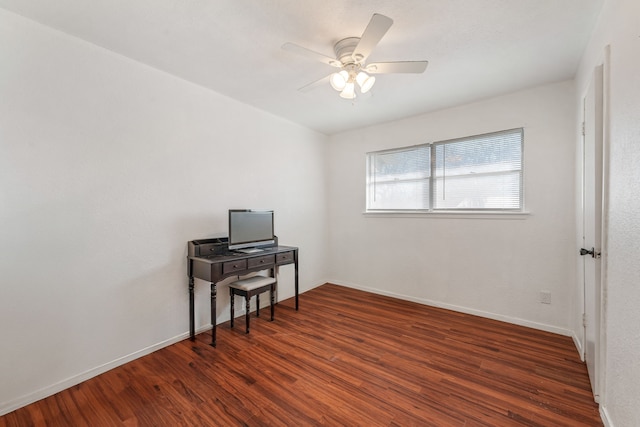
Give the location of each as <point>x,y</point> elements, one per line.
<point>592,223</point>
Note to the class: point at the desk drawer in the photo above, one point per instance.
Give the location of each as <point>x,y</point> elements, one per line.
<point>231,266</point>
<point>266,261</point>
<point>284,258</point>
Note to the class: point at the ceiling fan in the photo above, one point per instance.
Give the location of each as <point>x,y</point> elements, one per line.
<point>351,55</point>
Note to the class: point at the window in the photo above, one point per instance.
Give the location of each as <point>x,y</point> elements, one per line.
<point>478,173</point>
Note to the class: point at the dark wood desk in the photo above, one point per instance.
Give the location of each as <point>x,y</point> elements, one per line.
<point>211,260</point>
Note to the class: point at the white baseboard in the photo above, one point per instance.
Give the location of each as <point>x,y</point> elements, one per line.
<point>578,344</point>
<point>12,405</point>
<point>604,415</point>
<point>461,309</point>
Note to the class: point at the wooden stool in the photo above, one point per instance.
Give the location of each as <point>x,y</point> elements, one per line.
<point>249,287</point>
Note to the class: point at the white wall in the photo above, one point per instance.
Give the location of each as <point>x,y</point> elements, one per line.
<point>619,28</point>
<point>494,266</point>
<point>107,169</point>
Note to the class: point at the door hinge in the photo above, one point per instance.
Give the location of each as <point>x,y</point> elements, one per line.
<point>584,320</point>
<point>583,129</point>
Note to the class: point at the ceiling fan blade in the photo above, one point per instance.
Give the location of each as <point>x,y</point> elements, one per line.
<point>376,29</point>
<point>397,67</point>
<point>313,85</point>
<point>292,47</point>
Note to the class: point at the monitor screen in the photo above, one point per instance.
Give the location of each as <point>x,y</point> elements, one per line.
<point>250,228</point>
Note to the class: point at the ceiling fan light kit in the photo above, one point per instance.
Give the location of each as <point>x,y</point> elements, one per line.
<point>351,54</point>
<point>343,81</point>
<point>349,91</point>
<point>365,81</point>
<point>339,80</point>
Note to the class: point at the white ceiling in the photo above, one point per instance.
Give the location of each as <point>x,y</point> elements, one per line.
<point>476,48</point>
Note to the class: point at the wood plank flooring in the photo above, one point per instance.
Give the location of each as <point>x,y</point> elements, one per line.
<point>347,358</point>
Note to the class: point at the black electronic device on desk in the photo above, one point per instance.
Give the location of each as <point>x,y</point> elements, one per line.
<point>250,230</point>
<point>212,260</point>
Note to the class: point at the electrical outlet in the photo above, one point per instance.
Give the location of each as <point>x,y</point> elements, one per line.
<point>545,297</point>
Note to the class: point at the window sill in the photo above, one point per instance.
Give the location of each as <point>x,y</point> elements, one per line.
<point>449,214</point>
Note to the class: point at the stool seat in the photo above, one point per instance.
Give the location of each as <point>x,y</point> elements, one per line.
<point>249,287</point>
<point>252,283</point>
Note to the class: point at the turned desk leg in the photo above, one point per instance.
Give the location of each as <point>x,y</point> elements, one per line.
<point>295,259</point>
<point>233,308</point>
<point>213,314</point>
<point>192,321</point>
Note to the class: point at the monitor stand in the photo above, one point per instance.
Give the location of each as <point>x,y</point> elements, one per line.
<point>250,250</point>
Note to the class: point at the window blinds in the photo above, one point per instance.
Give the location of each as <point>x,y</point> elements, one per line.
<point>482,172</point>
<point>399,179</point>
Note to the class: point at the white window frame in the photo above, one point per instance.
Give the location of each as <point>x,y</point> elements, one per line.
<point>371,182</point>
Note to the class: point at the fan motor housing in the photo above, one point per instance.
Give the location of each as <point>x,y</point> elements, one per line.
<point>344,49</point>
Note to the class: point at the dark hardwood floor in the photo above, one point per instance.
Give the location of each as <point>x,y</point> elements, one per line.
<point>347,358</point>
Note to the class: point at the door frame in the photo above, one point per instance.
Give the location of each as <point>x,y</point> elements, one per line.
<point>604,240</point>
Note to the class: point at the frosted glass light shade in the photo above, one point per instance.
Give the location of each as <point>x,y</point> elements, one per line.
<point>339,80</point>
<point>349,91</point>
<point>365,81</point>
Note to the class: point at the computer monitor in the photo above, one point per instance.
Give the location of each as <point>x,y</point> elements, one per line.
<point>250,229</point>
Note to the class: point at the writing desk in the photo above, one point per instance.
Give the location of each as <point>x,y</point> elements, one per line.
<point>212,261</point>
